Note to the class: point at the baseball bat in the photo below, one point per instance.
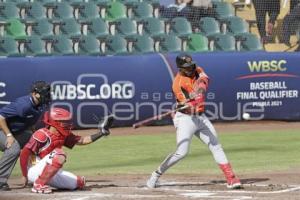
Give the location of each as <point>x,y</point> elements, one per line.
<point>157,117</point>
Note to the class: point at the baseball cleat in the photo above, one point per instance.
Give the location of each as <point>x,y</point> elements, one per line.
<point>106,124</point>
<point>234,183</point>
<point>41,189</point>
<point>153,180</point>
<point>81,182</point>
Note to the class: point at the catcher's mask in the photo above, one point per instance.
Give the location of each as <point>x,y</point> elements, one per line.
<point>44,90</point>
<point>60,119</point>
<point>186,64</point>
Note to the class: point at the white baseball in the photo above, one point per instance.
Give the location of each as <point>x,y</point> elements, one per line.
<point>246,116</point>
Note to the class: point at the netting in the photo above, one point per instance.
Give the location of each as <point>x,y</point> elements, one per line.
<point>271,25</point>
<point>120,27</point>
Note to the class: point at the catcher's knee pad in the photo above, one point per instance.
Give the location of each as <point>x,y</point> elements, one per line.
<point>80,182</point>
<point>58,157</point>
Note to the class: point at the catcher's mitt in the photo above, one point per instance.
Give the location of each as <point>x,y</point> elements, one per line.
<point>105,124</point>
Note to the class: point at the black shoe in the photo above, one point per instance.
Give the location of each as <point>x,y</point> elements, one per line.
<point>106,124</point>
<point>4,187</point>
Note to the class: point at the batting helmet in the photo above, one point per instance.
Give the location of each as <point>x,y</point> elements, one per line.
<point>184,61</point>
<point>60,119</point>
<point>44,90</point>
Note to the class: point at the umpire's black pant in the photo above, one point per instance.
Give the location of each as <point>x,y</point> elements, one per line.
<point>11,155</point>
<point>262,8</point>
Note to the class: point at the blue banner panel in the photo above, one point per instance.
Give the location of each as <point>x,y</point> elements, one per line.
<point>265,85</point>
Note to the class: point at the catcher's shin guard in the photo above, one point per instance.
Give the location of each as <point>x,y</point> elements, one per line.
<point>106,124</point>
<point>232,181</point>
<point>50,169</point>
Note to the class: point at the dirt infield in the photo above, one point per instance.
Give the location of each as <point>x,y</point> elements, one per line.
<point>221,127</point>
<point>276,185</point>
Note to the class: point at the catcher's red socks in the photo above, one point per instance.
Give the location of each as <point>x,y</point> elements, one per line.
<point>232,181</point>
<point>80,182</point>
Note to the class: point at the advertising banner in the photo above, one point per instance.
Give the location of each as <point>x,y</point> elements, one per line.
<point>265,85</point>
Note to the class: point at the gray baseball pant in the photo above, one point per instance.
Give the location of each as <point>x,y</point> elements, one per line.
<point>11,155</point>
<point>187,126</point>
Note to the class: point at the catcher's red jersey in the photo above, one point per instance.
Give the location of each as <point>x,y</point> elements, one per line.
<point>43,142</point>
<point>185,88</point>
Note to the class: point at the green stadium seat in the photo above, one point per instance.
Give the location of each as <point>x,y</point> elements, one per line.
<point>152,1</point>
<point>152,26</point>
<point>70,27</point>
<point>97,27</point>
<point>61,45</point>
<point>42,27</point>
<point>47,1</point>
<point>36,11</point>
<point>209,26</point>
<point>99,2</point>
<point>116,45</point>
<point>141,44</point>
<point>236,25</point>
<point>129,4</point>
<point>9,10</point>
<point>102,6</point>
<point>89,45</point>
<point>223,10</point>
<point>9,47</point>
<point>16,29</point>
<point>87,10</point>
<point>20,1</point>
<point>156,5</point>
<point>197,43</point>
<point>223,42</point>
<point>248,42</point>
<point>23,7</point>
<point>142,10</point>
<point>35,46</point>
<point>169,43</point>
<point>180,26</point>
<point>115,10</point>
<point>74,1</point>
<point>62,10</point>
<point>124,26</point>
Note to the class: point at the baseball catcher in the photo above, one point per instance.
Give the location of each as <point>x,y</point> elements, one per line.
<point>189,88</point>
<point>42,158</point>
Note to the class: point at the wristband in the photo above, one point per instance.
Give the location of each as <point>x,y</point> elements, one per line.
<point>9,135</point>
<point>96,136</point>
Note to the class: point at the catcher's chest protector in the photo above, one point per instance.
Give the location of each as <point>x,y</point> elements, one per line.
<point>53,141</point>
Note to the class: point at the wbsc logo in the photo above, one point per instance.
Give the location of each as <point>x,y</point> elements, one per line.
<point>267,68</point>
<point>92,87</point>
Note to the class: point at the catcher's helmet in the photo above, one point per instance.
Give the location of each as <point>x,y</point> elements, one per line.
<point>60,119</point>
<point>184,61</point>
<point>44,90</point>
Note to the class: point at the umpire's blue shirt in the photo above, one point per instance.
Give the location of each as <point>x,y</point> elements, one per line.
<point>21,114</point>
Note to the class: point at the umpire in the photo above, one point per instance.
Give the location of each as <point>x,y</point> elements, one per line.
<point>16,122</point>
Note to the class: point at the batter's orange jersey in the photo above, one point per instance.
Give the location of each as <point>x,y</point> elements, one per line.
<point>186,88</point>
